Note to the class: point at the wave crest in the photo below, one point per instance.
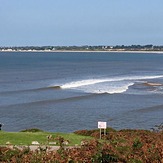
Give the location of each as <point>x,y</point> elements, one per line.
<point>106,85</point>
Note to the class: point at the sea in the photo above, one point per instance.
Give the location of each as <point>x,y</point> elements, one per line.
<point>69,91</point>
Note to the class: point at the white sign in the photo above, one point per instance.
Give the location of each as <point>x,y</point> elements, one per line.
<point>102,125</point>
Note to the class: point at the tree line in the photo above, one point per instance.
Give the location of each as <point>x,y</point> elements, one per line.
<point>149,47</point>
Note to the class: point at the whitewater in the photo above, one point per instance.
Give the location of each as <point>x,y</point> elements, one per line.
<point>109,85</point>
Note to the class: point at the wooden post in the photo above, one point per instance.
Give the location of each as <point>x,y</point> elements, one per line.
<point>104,131</point>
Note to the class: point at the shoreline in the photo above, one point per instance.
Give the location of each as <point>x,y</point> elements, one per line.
<point>84,51</point>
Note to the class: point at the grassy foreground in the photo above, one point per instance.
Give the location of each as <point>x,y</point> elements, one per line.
<point>26,138</point>
<point>124,146</point>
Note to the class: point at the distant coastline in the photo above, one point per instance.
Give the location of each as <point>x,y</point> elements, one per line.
<point>85,51</point>
<point>86,48</point>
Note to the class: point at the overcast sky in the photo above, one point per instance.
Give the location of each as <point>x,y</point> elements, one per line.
<point>81,22</point>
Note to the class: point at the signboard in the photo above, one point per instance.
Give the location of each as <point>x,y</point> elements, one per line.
<point>102,125</point>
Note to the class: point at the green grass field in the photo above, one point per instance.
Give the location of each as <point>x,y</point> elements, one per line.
<point>26,138</point>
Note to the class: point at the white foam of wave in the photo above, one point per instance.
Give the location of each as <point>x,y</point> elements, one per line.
<point>110,89</point>
<point>86,82</point>
<point>82,83</point>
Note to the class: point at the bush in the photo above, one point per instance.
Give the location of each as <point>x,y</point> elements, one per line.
<point>32,130</point>
<point>94,133</point>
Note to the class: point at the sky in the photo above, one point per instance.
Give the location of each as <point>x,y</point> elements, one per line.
<point>80,22</point>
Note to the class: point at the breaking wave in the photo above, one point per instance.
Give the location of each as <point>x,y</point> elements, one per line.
<point>106,85</point>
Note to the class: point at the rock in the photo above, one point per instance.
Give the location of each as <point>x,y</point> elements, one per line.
<point>52,143</point>
<point>65,142</point>
<point>35,143</point>
<point>8,143</point>
<point>49,137</point>
<point>84,143</point>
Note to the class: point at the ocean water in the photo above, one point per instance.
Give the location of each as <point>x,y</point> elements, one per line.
<point>69,91</point>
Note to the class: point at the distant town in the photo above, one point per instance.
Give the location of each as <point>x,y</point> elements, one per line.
<point>83,48</point>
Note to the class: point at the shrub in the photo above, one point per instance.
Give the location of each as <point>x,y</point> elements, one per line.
<point>32,130</point>
<point>94,133</point>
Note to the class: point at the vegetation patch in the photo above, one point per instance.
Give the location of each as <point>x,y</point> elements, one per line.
<point>32,130</point>
<point>130,146</point>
